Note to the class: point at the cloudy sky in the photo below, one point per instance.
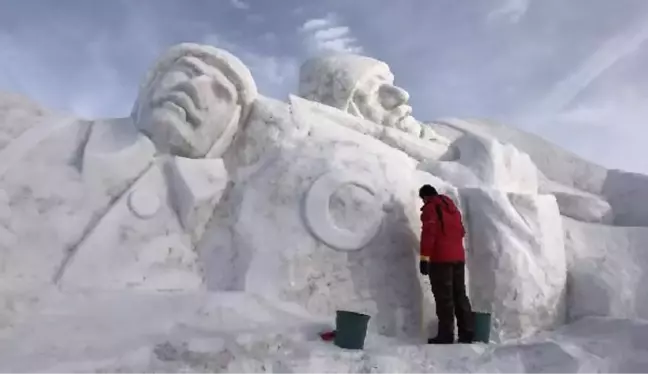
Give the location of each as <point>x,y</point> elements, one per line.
<point>573,71</point>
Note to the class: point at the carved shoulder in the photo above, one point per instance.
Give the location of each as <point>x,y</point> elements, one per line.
<point>18,114</point>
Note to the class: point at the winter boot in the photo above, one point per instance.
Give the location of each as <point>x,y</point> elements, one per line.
<point>466,338</point>
<point>442,339</point>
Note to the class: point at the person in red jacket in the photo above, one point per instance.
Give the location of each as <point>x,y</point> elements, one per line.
<point>443,259</point>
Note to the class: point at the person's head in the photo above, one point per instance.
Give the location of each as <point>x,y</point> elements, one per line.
<point>427,192</point>
<point>193,98</point>
<point>356,84</point>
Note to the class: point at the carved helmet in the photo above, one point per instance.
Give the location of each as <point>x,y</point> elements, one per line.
<point>333,79</point>
<point>229,64</point>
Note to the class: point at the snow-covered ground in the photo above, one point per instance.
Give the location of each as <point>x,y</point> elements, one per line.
<point>234,332</point>
<point>131,245</point>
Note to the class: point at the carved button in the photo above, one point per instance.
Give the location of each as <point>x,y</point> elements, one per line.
<point>143,204</point>
<point>320,219</point>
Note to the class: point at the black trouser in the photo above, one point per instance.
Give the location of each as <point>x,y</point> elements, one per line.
<point>449,289</point>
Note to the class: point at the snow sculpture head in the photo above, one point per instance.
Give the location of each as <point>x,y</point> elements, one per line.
<point>359,85</point>
<point>193,100</point>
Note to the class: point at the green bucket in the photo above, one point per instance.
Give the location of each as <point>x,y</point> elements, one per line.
<point>350,329</point>
<point>482,326</point>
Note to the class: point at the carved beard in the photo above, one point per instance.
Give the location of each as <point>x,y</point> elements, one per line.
<point>354,110</point>
<point>410,125</point>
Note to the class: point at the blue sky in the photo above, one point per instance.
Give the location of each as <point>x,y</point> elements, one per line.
<point>573,71</point>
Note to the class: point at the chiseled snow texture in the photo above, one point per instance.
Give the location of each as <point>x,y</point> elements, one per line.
<point>584,207</point>
<point>197,186</point>
<point>140,250</point>
<point>557,164</point>
<point>332,80</point>
<point>485,162</point>
<point>608,270</point>
<point>621,189</point>
<point>517,261</point>
<point>627,193</point>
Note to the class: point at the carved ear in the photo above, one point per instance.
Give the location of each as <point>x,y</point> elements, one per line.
<point>226,138</point>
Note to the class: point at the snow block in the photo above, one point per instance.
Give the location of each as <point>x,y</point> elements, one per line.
<point>627,193</point>
<point>486,162</point>
<point>583,207</point>
<point>607,270</point>
<point>197,185</point>
<point>517,261</point>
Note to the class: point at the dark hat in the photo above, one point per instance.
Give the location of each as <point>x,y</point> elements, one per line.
<point>427,191</point>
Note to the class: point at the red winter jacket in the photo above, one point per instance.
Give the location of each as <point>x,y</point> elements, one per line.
<point>442,231</point>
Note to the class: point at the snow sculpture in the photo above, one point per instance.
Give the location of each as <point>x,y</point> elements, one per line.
<point>193,100</point>
<point>363,87</point>
<point>139,244</point>
<point>209,185</point>
<point>310,203</point>
<point>623,190</point>
<point>319,217</point>
<point>197,186</point>
<point>604,222</point>
<point>480,161</point>
<point>584,207</point>
<point>279,231</point>
<point>472,160</point>
<point>484,154</point>
<point>586,187</point>
<point>607,270</point>
<point>517,261</point>
<point>130,204</point>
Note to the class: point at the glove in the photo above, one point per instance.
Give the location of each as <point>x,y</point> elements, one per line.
<point>424,267</point>
<point>328,336</point>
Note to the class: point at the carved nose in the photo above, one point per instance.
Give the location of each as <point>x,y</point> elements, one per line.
<point>392,96</point>
<point>196,89</point>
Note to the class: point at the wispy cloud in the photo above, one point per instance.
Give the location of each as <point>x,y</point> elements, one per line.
<point>511,11</point>
<point>315,23</point>
<point>611,51</point>
<point>240,4</point>
<point>327,35</point>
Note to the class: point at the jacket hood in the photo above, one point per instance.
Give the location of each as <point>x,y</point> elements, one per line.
<point>446,203</point>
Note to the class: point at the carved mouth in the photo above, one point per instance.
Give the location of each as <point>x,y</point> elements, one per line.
<point>401,114</point>
<point>183,105</point>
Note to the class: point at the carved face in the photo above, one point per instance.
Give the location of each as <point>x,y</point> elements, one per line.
<point>189,107</point>
<point>377,99</point>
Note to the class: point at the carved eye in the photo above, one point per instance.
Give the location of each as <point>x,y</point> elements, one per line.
<point>169,80</point>
<point>391,96</point>
<point>191,66</point>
